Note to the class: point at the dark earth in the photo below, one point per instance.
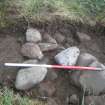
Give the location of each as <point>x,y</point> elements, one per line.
<point>12,38</point>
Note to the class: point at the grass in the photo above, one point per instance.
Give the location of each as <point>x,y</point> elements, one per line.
<point>7,97</point>
<point>85,11</point>
<point>2,12</point>
<point>77,10</point>
<point>49,8</point>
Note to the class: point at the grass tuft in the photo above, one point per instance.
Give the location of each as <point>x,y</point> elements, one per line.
<point>7,97</point>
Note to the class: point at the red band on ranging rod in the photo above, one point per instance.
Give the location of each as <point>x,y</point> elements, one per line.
<point>75,67</point>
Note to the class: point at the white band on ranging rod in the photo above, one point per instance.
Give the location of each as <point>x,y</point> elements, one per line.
<point>27,65</point>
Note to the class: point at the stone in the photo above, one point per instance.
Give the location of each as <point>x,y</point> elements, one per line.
<point>47,88</point>
<point>51,101</point>
<point>51,74</point>
<point>29,77</point>
<point>82,37</point>
<point>48,46</point>
<point>85,59</point>
<point>59,37</point>
<point>31,50</point>
<point>33,35</point>
<point>68,56</point>
<point>73,100</point>
<point>47,38</point>
<point>95,100</point>
<point>93,81</point>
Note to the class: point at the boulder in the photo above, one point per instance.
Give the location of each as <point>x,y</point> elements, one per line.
<point>84,59</point>
<point>51,74</point>
<point>68,56</point>
<point>29,77</point>
<point>31,50</point>
<point>33,35</point>
<point>93,81</point>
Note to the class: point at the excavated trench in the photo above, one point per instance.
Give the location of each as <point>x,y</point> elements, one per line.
<point>65,33</point>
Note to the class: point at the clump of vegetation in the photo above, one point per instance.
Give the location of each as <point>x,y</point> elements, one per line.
<point>94,9</point>
<point>7,97</point>
<point>2,12</point>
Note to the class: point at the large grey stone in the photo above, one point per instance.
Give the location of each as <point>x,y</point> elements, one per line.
<point>33,35</point>
<point>85,59</point>
<point>29,77</point>
<point>93,81</point>
<point>68,56</point>
<point>31,50</point>
<point>48,46</point>
<point>51,74</point>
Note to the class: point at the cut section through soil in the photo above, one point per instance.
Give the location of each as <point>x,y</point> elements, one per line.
<point>66,36</point>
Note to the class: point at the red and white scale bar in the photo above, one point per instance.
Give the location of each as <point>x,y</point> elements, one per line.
<point>53,66</point>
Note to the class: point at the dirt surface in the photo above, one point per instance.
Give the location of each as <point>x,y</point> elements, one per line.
<point>11,41</point>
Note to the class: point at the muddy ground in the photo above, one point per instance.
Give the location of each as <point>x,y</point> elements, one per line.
<point>13,37</point>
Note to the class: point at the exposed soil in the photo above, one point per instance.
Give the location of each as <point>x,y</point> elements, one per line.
<point>11,40</point>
